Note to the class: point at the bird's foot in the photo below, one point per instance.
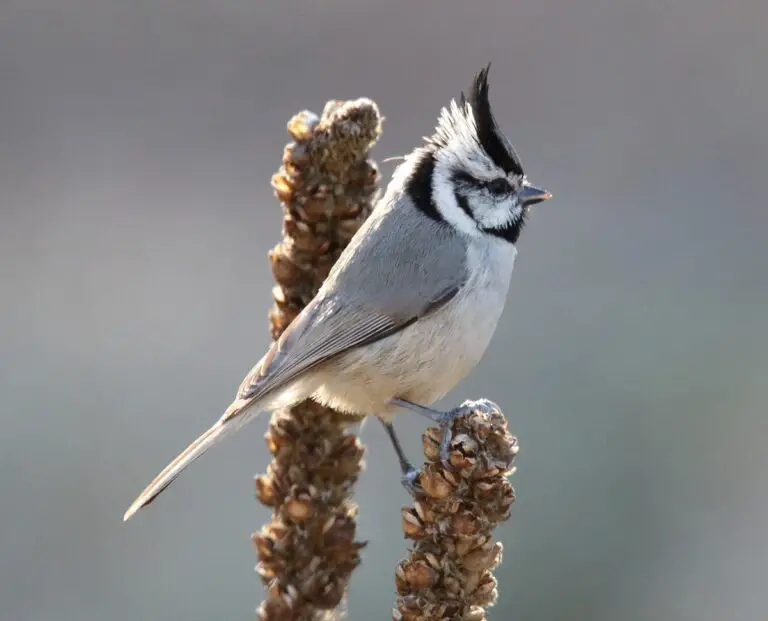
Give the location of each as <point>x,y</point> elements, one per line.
<point>410,481</point>
<point>445,420</point>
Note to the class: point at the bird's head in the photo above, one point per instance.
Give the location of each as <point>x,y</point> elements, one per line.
<point>469,175</point>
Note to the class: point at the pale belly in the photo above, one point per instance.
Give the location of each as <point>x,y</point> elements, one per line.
<point>424,361</point>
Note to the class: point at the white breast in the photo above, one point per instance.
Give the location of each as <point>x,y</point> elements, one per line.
<point>428,358</point>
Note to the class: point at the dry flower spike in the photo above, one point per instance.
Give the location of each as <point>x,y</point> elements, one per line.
<point>308,551</point>
<point>448,574</point>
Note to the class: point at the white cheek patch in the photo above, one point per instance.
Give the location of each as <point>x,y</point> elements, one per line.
<point>445,200</point>
<point>459,150</point>
<point>499,213</point>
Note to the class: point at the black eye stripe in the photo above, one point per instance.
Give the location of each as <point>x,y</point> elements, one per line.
<point>467,179</point>
<point>498,187</point>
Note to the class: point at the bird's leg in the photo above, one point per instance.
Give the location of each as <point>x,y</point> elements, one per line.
<point>445,419</point>
<point>409,473</point>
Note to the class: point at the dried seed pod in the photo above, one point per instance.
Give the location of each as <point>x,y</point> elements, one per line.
<point>265,491</point>
<point>414,576</point>
<point>435,485</point>
<point>327,186</point>
<point>452,525</point>
<point>412,525</point>
<point>297,510</point>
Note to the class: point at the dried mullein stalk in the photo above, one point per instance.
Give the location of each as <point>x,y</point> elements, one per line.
<point>308,551</point>
<point>449,571</point>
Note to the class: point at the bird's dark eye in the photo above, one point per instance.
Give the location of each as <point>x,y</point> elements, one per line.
<point>499,186</point>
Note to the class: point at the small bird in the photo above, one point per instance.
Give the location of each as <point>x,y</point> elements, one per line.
<point>411,304</point>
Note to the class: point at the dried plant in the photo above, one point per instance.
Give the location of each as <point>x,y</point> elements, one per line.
<point>308,550</point>
<point>449,571</point>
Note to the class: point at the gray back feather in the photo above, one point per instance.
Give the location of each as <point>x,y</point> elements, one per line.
<point>399,266</point>
<point>400,261</point>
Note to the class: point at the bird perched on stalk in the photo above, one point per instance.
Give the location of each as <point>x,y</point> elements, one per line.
<point>413,301</point>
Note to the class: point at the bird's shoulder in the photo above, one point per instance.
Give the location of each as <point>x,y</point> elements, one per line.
<point>398,268</point>
<point>400,261</point>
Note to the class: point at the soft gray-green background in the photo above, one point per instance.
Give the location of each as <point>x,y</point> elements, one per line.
<point>137,140</point>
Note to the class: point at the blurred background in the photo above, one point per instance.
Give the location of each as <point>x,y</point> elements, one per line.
<point>137,140</point>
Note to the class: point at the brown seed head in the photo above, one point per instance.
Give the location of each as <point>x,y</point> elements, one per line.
<point>451,526</point>
<point>327,186</point>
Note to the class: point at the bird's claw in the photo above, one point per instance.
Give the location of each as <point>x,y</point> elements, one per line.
<point>445,422</point>
<point>410,481</point>
<point>486,406</point>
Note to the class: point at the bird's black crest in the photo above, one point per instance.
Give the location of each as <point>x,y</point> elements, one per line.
<point>490,136</point>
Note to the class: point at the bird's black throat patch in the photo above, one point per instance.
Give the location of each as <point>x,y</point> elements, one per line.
<point>509,232</point>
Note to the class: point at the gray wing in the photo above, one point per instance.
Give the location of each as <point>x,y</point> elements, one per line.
<point>399,267</point>
<point>322,333</point>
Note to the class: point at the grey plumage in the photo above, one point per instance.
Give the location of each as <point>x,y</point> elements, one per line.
<point>369,294</point>
<point>412,303</point>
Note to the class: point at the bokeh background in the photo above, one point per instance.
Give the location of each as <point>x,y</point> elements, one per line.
<point>137,140</point>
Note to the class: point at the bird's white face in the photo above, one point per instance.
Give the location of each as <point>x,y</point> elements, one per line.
<point>468,174</point>
<point>473,194</point>
<point>478,183</point>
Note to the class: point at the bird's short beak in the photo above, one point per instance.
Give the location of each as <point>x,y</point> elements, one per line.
<point>530,195</point>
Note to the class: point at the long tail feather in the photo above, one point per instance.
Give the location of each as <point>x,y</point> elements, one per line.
<point>175,468</point>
